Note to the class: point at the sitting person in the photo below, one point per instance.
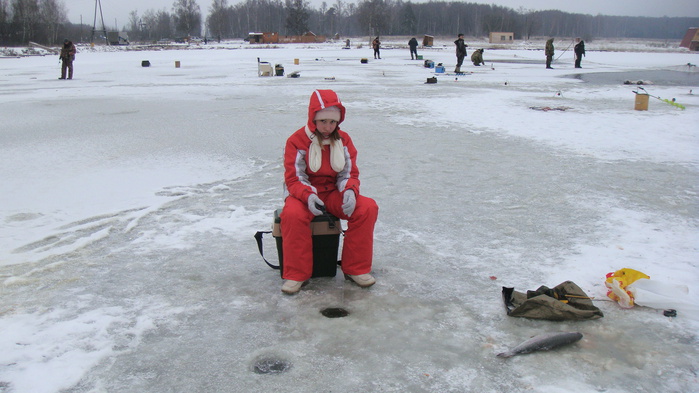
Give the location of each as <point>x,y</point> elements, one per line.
<point>321,175</point>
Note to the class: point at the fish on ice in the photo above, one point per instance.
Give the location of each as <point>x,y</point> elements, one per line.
<point>543,342</point>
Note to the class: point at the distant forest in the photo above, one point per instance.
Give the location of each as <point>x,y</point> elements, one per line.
<point>45,21</point>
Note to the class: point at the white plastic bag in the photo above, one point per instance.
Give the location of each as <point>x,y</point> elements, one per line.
<point>664,296</point>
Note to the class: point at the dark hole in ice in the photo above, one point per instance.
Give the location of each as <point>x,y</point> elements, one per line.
<point>334,312</point>
<point>271,366</point>
<point>645,77</point>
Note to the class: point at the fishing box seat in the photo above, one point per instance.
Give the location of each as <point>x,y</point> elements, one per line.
<point>325,230</point>
<point>264,69</point>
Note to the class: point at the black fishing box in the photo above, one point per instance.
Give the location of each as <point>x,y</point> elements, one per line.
<point>325,230</point>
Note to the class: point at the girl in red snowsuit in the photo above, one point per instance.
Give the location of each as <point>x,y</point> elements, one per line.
<point>320,171</point>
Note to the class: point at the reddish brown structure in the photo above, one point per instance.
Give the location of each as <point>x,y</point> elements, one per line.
<point>691,39</point>
<point>275,38</point>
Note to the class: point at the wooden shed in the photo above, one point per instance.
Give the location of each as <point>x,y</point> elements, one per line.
<point>308,37</point>
<point>275,38</point>
<point>255,38</point>
<point>502,37</point>
<point>427,40</point>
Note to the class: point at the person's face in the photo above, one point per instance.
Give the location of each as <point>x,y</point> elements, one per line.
<point>326,127</point>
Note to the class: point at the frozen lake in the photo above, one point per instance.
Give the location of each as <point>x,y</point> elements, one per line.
<point>130,197</point>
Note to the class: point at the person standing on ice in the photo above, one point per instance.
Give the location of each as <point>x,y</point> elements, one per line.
<point>67,56</point>
<point>579,49</point>
<point>549,53</point>
<point>460,52</point>
<point>321,175</point>
<point>413,48</point>
<point>376,44</point>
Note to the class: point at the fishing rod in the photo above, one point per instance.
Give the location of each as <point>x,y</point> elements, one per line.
<point>665,100</point>
<point>564,51</point>
<point>331,220</point>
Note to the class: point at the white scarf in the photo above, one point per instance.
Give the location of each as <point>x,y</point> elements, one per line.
<point>315,152</point>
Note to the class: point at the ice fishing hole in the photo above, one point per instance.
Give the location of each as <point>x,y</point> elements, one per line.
<point>647,77</point>
<point>334,312</point>
<point>271,366</point>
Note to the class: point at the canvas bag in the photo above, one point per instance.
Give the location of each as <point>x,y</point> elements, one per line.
<point>566,301</point>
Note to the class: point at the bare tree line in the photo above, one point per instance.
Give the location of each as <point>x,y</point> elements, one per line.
<point>45,20</point>
<point>184,20</point>
<point>31,20</point>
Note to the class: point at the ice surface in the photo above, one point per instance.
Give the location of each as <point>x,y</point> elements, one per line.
<point>130,195</point>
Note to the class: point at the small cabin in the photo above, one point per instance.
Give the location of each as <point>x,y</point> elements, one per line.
<point>263,38</point>
<point>502,37</point>
<point>427,40</point>
<point>275,38</point>
<point>308,37</point>
<point>255,38</point>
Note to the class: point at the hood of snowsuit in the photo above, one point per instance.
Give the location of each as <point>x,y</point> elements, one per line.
<point>321,99</point>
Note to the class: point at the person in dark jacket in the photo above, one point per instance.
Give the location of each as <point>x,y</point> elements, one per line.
<point>549,53</point>
<point>67,56</point>
<point>460,52</point>
<point>579,52</point>
<point>477,57</point>
<point>413,48</point>
<point>376,44</point>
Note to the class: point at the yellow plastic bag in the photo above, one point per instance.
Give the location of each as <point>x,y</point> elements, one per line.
<point>618,281</point>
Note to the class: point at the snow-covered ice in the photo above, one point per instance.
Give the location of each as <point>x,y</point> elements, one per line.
<point>129,198</point>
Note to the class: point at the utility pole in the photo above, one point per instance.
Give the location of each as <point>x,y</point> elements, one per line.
<point>98,3</point>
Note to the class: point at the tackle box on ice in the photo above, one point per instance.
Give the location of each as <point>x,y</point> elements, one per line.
<point>326,242</point>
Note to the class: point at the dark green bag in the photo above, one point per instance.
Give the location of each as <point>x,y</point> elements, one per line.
<point>566,301</point>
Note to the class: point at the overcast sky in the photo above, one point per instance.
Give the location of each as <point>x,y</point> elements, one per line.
<point>116,12</point>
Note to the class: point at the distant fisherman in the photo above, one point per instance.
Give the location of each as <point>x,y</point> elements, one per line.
<point>67,56</point>
<point>477,57</point>
<point>413,48</point>
<point>543,342</point>
<point>376,44</point>
<point>460,52</point>
<point>549,53</point>
<point>579,49</point>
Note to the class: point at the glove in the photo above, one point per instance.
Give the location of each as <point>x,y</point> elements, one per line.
<point>349,202</point>
<point>314,203</point>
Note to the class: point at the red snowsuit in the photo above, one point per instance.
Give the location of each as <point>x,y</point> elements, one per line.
<point>300,182</point>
